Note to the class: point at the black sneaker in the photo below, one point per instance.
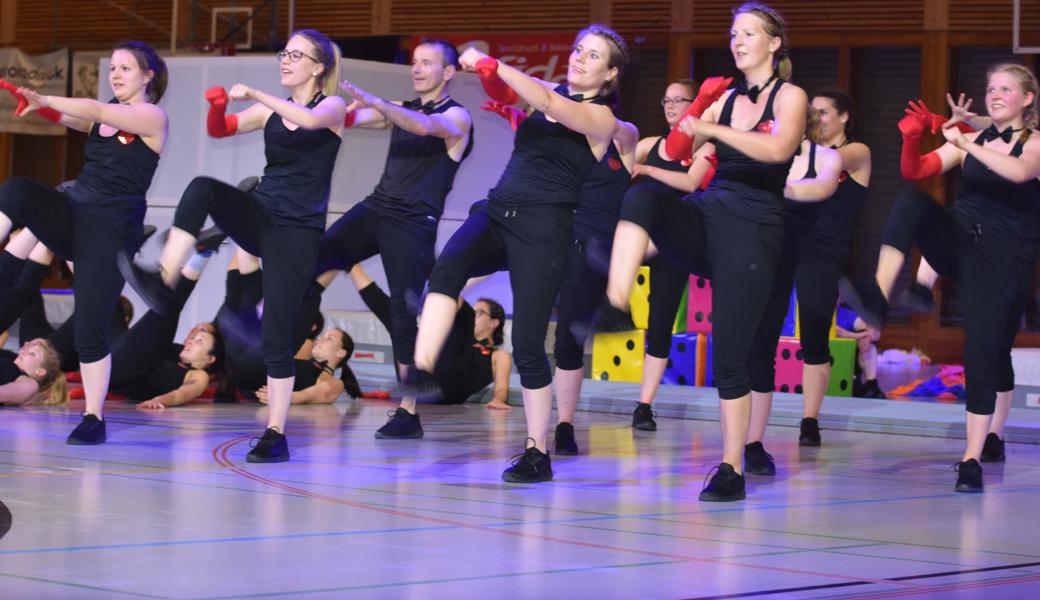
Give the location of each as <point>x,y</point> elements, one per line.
<point>993,450</point>
<point>757,461</point>
<point>810,434</point>
<point>89,432</point>
<point>725,486</point>
<point>917,298</point>
<point>271,448</point>
<point>969,477</point>
<point>565,442</point>
<point>866,299</point>
<point>643,418</point>
<point>147,282</point>
<point>209,240</point>
<point>871,389</point>
<point>532,466</point>
<point>402,425</point>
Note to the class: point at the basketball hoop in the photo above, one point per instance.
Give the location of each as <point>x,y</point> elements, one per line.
<point>1032,9</point>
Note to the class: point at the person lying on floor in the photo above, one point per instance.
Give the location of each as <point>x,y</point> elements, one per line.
<point>32,376</point>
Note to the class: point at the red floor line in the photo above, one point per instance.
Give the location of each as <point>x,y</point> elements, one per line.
<point>220,456</point>
<point>968,585</point>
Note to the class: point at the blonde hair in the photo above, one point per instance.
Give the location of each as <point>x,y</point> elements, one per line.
<point>1027,79</point>
<point>812,125</point>
<point>54,390</point>
<point>328,54</point>
<point>774,26</point>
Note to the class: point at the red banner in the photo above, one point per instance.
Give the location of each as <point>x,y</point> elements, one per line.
<point>541,55</point>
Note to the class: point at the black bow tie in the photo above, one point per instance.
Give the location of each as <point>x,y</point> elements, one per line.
<point>990,133</point>
<point>417,104</point>
<point>577,97</point>
<point>753,92</point>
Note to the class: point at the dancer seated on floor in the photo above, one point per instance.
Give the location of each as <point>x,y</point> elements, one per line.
<point>239,319</point>
<point>850,326</point>
<point>472,358</point>
<point>32,376</point>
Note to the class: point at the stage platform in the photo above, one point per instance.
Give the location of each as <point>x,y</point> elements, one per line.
<point>168,508</point>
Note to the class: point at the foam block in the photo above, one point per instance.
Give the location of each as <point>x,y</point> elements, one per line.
<point>789,366</point>
<point>685,359</point>
<point>639,300</point>
<point>698,305</point>
<point>680,316</point>
<point>843,365</point>
<point>707,378</point>
<point>618,356</point>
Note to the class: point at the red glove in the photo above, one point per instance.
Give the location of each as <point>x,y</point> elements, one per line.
<point>494,87</point>
<point>13,90</point>
<point>912,165</point>
<point>350,119</point>
<point>218,124</point>
<point>936,122</point>
<point>679,146</point>
<point>514,115</point>
<point>710,173</point>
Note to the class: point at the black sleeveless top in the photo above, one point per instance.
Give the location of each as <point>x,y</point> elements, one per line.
<point>308,372</point>
<point>842,209</point>
<point>295,187</point>
<point>991,200</point>
<point>166,376</point>
<point>806,210</point>
<point>468,369</point>
<point>739,173</point>
<point>654,159</point>
<point>419,173</point>
<point>8,370</point>
<point>116,175</point>
<point>600,197</point>
<point>548,163</point>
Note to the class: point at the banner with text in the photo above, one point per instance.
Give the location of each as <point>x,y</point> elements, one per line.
<point>46,73</point>
<point>541,55</point>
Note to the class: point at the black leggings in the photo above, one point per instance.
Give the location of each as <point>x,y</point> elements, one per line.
<point>240,326</point>
<point>288,254</point>
<point>811,264</point>
<point>534,241</point>
<point>740,257</point>
<point>143,346</point>
<point>406,247</point>
<point>581,296</point>
<point>994,274</point>
<point>72,231</point>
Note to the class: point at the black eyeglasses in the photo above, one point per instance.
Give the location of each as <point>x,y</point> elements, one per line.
<point>481,312</point>
<point>295,56</point>
<point>666,100</point>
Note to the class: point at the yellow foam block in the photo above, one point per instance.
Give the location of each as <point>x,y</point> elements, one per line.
<point>639,300</point>
<point>831,335</point>
<point>618,356</point>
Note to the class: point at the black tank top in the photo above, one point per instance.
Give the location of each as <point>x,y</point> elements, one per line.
<point>419,173</point>
<point>295,187</point>
<point>738,172</point>
<point>808,209</point>
<point>654,159</point>
<point>600,197</point>
<point>842,209</point>
<point>991,200</point>
<point>116,175</point>
<point>548,163</point>
<point>308,372</point>
<point>8,370</point>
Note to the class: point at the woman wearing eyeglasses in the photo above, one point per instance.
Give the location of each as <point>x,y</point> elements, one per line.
<point>658,175</point>
<point>281,221</point>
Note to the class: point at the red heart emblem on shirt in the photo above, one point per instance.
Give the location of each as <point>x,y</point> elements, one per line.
<point>766,127</point>
<point>844,175</point>
<point>614,163</point>
<point>125,138</point>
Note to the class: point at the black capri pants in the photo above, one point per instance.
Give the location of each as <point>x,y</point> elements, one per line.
<point>288,253</point>
<point>698,236</point>
<point>89,232</point>
<point>406,247</point>
<point>994,274</point>
<point>534,242</point>
<point>811,264</point>
<point>581,296</point>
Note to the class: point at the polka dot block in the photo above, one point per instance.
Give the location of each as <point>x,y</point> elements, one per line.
<point>618,356</point>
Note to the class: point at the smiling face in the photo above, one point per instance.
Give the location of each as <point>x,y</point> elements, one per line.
<point>1006,101</point>
<point>832,123</point>
<point>483,325</point>
<point>749,43</point>
<point>677,98</point>
<point>328,347</point>
<point>126,77</point>
<point>588,67</point>
<point>294,74</point>
<point>429,73</point>
<point>30,359</point>
<point>198,349</point>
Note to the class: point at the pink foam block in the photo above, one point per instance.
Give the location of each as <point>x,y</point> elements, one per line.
<point>698,305</point>
<point>789,366</point>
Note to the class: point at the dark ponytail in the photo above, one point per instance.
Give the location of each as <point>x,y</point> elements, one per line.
<point>149,60</point>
